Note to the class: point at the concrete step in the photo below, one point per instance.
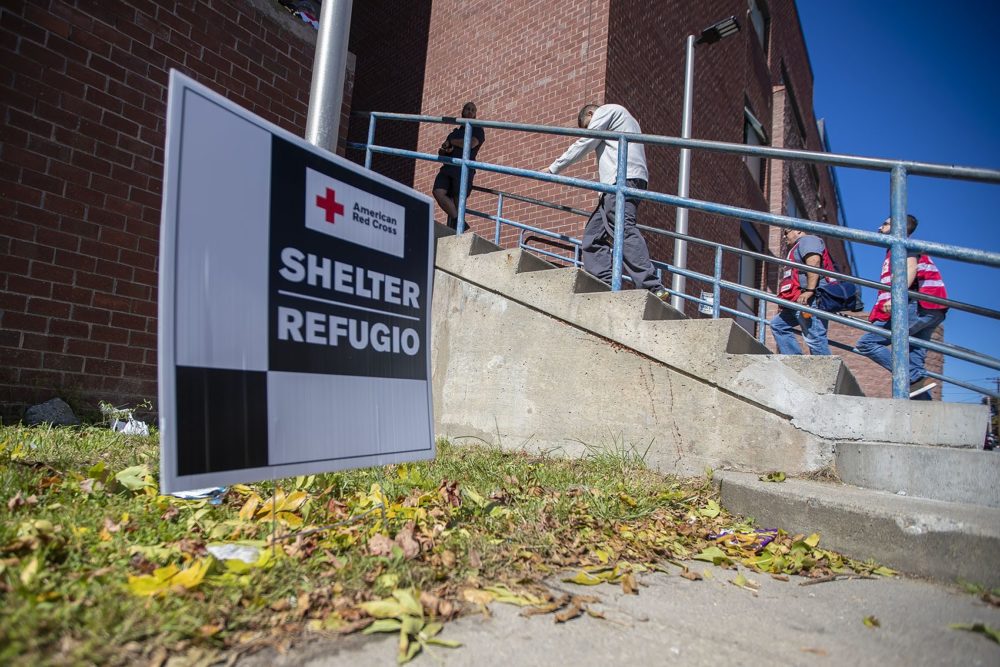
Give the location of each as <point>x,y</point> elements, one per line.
<point>931,538</point>
<point>522,307</point>
<point>940,473</point>
<point>829,375</point>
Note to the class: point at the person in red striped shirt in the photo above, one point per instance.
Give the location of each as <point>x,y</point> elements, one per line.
<point>924,317</point>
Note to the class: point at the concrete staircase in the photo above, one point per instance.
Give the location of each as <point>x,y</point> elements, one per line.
<point>528,355</point>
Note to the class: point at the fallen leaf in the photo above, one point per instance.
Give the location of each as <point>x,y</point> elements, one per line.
<point>477,596</point>
<point>585,579</point>
<point>15,502</point>
<point>569,613</point>
<point>134,478</point>
<point>379,545</point>
<point>30,571</point>
<point>776,476</point>
<point>387,608</point>
<point>982,628</point>
<point>475,562</point>
<point>629,586</point>
<point>693,576</point>
<point>404,539</point>
<point>871,622</point>
<point>815,651</point>
<point>448,558</point>
<point>780,577</point>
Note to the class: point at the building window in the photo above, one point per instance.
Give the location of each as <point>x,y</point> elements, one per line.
<point>754,135</point>
<point>760,21</point>
<point>794,208</point>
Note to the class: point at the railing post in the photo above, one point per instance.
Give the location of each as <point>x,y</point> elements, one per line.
<point>371,141</point>
<point>716,288</point>
<point>678,282</point>
<point>464,183</point>
<point>900,316</point>
<point>616,254</point>
<point>496,236</point>
<point>761,322</point>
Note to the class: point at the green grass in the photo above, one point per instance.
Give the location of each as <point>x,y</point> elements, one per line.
<point>73,537</point>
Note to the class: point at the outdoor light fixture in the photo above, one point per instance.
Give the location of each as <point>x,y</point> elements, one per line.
<point>723,28</point>
<point>709,35</point>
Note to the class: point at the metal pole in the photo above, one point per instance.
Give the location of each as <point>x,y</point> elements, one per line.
<point>678,282</point>
<point>900,315</point>
<point>326,96</point>
<point>464,181</point>
<point>619,239</point>
<point>716,288</point>
<point>761,321</point>
<point>496,238</point>
<point>371,140</point>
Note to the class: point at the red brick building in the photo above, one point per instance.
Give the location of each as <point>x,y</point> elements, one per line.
<point>83,99</point>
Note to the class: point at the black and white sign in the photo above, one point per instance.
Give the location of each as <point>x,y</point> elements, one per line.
<point>295,295</point>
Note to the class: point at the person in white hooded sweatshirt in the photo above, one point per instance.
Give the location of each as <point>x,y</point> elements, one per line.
<point>598,235</point>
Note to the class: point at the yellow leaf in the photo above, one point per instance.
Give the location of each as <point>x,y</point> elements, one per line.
<point>165,578</point>
<point>289,519</point>
<point>871,622</point>
<point>382,625</point>
<point>476,596</point>
<point>503,594</point>
<point>387,608</point>
<point>293,501</point>
<point>408,601</point>
<point>29,572</point>
<point>250,507</point>
<point>812,540</point>
<point>585,579</point>
<point>152,584</point>
<point>712,510</point>
<point>411,625</point>
<point>192,575</point>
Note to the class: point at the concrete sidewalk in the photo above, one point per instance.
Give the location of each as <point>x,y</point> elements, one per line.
<point>674,621</point>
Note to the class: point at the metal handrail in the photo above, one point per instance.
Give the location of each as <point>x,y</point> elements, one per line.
<point>943,348</point>
<point>896,241</point>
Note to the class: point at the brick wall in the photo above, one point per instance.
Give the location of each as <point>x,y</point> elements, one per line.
<point>528,61</point>
<point>389,76</point>
<point>646,62</point>
<point>83,98</point>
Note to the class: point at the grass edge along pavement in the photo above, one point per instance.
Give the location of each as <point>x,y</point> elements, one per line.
<point>97,567</point>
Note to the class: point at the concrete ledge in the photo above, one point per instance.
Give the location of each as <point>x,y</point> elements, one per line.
<point>829,375</point>
<point>940,473</point>
<point>944,541</point>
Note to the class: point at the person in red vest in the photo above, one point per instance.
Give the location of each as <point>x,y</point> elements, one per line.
<point>923,316</point>
<point>800,287</point>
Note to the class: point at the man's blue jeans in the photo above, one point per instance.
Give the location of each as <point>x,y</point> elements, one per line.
<point>813,331</point>
<point>923,322</point>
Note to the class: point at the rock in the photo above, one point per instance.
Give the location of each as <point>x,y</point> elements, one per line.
<point>55,412</point>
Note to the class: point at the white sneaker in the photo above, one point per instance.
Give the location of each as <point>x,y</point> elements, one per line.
<point>921,386</point>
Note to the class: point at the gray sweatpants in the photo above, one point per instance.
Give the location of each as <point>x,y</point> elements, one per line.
<point>599,235</point>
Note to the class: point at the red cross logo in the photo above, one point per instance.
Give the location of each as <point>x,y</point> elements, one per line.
<point>329,205</point>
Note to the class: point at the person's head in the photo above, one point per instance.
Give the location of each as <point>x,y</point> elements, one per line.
<point>792,236</point>
<point>911,225</point>
<point>586,113</point>
<point>469,110</point>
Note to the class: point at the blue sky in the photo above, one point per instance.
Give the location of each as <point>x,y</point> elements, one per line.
<point>917,80</point>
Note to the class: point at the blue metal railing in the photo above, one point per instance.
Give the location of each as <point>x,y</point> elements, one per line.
<point>896,241</point>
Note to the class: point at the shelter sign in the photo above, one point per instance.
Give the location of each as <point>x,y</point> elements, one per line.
<point>295,295</point>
